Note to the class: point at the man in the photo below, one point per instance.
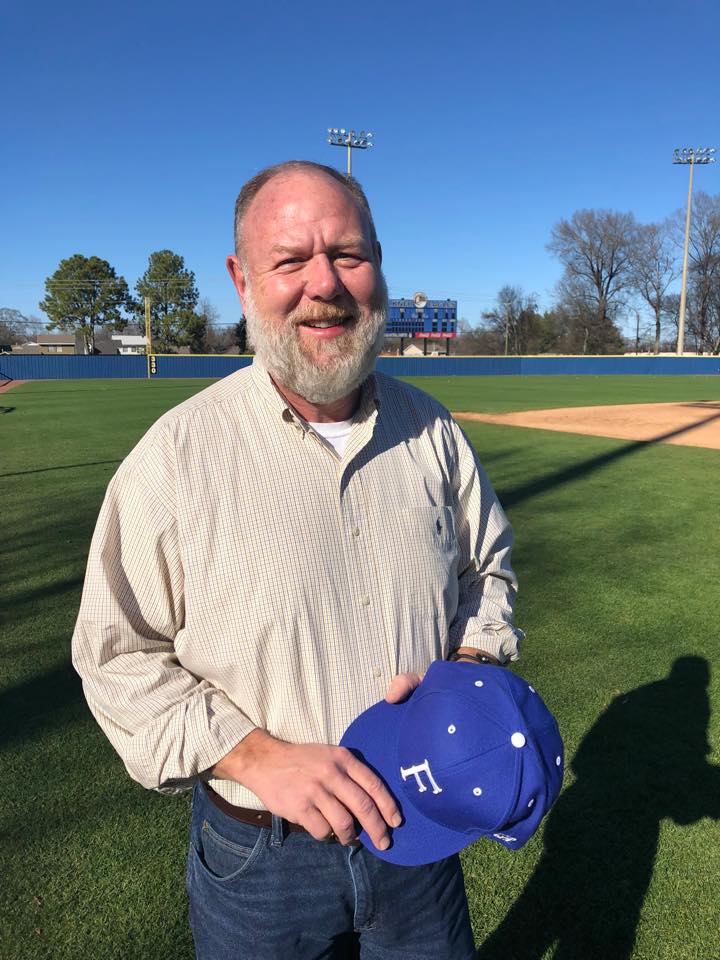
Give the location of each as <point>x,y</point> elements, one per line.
<point>277,554</point>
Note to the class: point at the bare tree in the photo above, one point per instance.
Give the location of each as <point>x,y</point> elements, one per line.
<point>515,319</point>
<point>653,268</point>
<point>580,328</point>
<point>596,248</point>
<point>216,337</point>
<point>15,327</point>
<point>704,273</point>
<point>477,340</point>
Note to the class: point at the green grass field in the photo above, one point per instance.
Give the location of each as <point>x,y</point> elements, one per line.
<point>504,394</point>
<point>619,563</point>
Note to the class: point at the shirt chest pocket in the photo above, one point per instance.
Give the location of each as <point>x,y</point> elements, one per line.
<point>445,528</point>
<point>429,533</point>
<point>426,578</point>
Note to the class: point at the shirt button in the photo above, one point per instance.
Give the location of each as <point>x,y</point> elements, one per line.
<point>365,601</point>
<point>356,531</point>
<point>287,415</point>
<point>377,674</point>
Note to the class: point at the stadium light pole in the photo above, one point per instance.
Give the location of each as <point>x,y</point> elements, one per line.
<point>689,156</point>
<point>340,137</point>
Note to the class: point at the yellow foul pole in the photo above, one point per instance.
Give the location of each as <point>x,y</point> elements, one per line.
<point>148,336</point>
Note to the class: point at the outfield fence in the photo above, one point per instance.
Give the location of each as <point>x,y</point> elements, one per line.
<point>164,366</point>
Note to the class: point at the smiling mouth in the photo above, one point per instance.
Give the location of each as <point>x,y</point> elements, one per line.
<point>325,324</point>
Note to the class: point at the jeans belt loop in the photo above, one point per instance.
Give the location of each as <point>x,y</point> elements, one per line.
<point>277,834</point>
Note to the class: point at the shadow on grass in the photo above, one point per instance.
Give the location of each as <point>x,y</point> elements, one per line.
<point>66,466</point>
<point>642,761</point>
<point>31,598</point>
<point>509,498</point>
<point>34,705</point>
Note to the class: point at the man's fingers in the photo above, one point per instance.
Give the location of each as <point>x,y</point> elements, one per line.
<point>369,800</point>
<point>402,686</point>
<point>317,825</point>
<point>339,817</point>
<point>363,808</point>
<point>321,787</point>
<point>374,787</point>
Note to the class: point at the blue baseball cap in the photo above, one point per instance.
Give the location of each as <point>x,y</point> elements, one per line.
<point>473,752</point>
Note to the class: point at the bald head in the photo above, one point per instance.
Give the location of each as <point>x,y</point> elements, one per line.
<point>252,188</point>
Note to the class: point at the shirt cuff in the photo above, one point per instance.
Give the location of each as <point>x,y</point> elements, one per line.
<point>502,642</point>
<point>226,725</point>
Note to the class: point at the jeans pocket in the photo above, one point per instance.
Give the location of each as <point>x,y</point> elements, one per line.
<point>226,860</point>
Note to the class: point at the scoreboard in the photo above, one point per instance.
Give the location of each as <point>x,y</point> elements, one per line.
<point>423,318</point>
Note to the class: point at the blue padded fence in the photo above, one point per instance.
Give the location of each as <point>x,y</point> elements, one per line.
<point>71,368</point>
<point>78,367</point>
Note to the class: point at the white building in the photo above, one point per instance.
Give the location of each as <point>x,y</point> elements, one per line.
<point>130,343</point>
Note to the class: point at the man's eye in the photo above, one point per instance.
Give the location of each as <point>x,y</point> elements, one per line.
<point>289,261</point>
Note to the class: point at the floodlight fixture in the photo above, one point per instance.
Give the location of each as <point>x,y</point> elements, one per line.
<point>693,155</point>
<point>690,157</point>
<point>351,140</point>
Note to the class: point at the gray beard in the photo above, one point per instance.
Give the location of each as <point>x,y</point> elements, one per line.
<point>347,360</point>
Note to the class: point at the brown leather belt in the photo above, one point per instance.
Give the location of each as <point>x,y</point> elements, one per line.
<point>259,818</point>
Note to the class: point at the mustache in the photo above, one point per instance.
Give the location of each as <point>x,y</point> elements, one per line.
<point>322,311</point>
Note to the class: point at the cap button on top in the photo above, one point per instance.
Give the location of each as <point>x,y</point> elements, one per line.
<point>518,739</point>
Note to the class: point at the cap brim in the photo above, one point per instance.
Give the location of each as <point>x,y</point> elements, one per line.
<point>373,737</point>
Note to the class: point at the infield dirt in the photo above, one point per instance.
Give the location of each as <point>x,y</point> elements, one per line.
<point>691,424</point>
<point>9,384</point>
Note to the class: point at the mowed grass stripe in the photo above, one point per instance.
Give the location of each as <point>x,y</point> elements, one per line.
<point>617,554</point>
<point>507,394</point>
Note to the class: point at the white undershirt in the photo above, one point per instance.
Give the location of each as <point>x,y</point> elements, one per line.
<point>336,434</point>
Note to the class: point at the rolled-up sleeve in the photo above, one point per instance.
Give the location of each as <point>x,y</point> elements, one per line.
<point>487,582</point>
<point>167,725</point>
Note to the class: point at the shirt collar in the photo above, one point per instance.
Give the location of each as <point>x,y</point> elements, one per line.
<point>370,395</point>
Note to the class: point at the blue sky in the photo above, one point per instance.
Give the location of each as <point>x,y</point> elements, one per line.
<point>130,128</point>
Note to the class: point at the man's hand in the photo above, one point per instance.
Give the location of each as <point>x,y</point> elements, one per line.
<point>323,788</point>
<point>402,686</point>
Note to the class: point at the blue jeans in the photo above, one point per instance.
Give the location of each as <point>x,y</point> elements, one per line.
<point>260,894</point>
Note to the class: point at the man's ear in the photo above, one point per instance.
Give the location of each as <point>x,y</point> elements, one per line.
<point>237,276</point>
<point>379,252</point>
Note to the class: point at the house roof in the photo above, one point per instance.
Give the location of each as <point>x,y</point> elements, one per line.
<point>67,339</point>
<point>130,339</point>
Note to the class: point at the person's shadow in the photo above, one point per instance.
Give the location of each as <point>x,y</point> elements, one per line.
<point>644,760</point>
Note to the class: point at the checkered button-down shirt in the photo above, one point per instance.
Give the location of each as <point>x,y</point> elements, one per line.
<point>243,575</point>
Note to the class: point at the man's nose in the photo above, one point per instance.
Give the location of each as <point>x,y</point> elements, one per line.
<point>322,280</point>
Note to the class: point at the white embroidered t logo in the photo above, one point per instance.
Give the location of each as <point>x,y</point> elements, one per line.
<point>415,771</point>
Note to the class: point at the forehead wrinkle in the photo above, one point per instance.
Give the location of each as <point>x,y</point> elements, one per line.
<point>269,205</point>
<point>355,241</point>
